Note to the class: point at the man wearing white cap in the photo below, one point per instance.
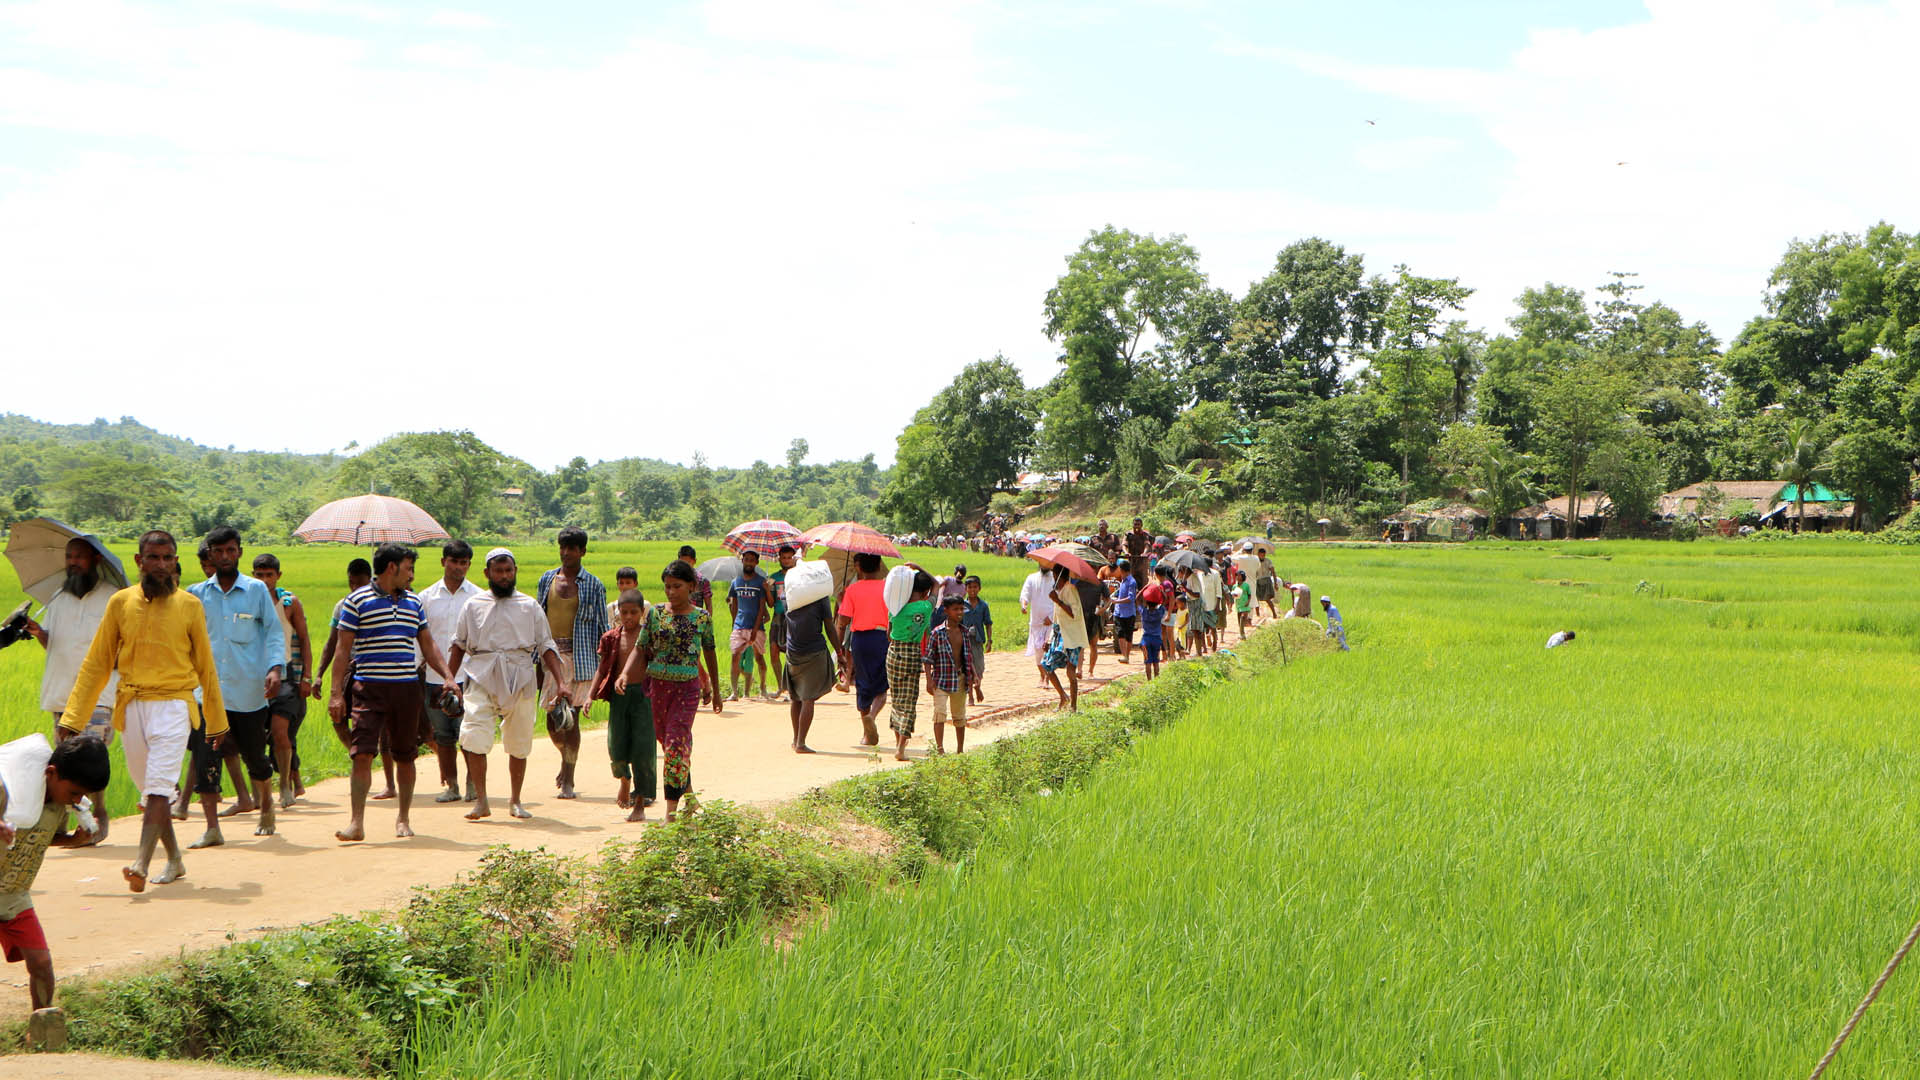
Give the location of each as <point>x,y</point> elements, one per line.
<point>1336,629</point>
<point>498,639</point>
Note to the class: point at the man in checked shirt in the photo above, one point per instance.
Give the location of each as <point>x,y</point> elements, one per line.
<point>576,605</point>
<point>949,663</point>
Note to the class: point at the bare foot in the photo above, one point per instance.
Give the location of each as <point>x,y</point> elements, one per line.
<point>210,838</point>
<point>452,794</point>
<point>246,807</point>
<point>136,881</point>
<point>803,748</point>
<point>470,792</point>
<point>352,834</point>
<point>265,828</point>
<point>519,811</point>
<point>175,870</point>
<point>567,792</point>
<point>286,798</point>
<point>639,813</point>
<point>402,829</point>
<point>179,812</point>
<point>299,790</point>
<point>899,755</point>
<point>387,794</point>
<point>480,810</point>
<point>670,815</point>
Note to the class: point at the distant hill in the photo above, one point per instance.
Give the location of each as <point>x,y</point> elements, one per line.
<point>127,430</point>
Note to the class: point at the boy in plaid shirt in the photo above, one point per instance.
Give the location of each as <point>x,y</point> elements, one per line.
<point>948,658</point>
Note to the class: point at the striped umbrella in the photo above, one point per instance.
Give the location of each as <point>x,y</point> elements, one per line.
<point>851,536</point>
<point>765,536</point>
<point>370,519</point>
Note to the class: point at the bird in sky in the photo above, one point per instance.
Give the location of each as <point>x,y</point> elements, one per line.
<point>1619,163</point>
<point>1372,124</point>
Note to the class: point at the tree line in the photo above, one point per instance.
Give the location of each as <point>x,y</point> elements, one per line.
<point>123,477</point>
<point>1326,390</point>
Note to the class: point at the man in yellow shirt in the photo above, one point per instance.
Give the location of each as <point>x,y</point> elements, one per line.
<point>155,635</point>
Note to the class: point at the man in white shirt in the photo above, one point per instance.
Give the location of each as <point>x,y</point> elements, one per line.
<point>442,602</point>
<point>1035,601</point>
<point>499,637</point>
<point>1210,603</point>
<point>65,631</point>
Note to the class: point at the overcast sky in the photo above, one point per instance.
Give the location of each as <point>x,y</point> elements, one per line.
<point>610,229</point>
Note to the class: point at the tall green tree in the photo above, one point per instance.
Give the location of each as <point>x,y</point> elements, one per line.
<point>1295,329</point>
<point>1410,368</point>
<point>1122,294</point>
<point>1581,409</point>
<point>968,441</point>
<point>453,475</point>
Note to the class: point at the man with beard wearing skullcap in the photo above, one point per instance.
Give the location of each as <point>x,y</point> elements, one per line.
<point>65,630</point>
<point>500,639</point>
<point>154,635</point>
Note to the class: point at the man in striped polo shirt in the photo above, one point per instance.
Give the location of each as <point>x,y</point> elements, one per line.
<point>381,625</point>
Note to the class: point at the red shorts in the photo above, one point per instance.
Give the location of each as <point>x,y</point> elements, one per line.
<point>20,933</point>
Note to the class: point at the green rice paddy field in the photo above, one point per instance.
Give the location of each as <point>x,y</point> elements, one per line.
<point>1683,845</point>
<point>317,574</point>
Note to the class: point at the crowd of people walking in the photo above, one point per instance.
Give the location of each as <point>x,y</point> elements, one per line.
<point>217,677</point>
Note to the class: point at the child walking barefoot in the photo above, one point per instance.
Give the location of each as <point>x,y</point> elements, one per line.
<point>629,715</point>
<point>673,651</point>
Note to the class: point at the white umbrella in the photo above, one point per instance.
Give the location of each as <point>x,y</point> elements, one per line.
<point>37,548</point>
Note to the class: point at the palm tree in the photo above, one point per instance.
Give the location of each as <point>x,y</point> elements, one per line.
<point>1504,483</point>
<point>1806,461</point>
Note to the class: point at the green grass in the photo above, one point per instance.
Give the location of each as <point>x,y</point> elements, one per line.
<point>1681,846</point>
<point>317,574</point>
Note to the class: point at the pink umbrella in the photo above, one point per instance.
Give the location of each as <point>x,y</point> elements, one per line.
<point>370,519</point>
<point>1051,557</point>
<point>851,536</point>
<point>765,536</point>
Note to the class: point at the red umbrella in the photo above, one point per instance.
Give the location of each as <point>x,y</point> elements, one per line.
<point>851,536</point>
<point>1184,538</point>
<point>370,519</point>
<point>765,536</point>
<point>1051,557</point>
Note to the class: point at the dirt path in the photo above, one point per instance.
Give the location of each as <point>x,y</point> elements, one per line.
<point>77,1066</point>
<point>256,884</point>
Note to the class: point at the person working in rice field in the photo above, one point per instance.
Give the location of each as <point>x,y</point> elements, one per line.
<point>33,817</point>
<point>1336,628</point>
<point>154,635</point>
<point>630,737</point>
<point>906,637</point>
<point>674,648</point>
<point>576,605</point>
<point>1068,640</point>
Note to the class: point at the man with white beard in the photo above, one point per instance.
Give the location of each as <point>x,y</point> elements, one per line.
<point>65,630</point>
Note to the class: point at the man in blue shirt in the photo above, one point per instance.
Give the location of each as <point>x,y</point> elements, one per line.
<point>250,653</point>
<point>746,598</point>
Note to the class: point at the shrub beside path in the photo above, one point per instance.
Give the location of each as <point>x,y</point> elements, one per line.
<point>254,885</point>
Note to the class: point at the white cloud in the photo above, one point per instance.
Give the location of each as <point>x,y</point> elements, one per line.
<point>1741,125</point>
<point>796,219</point>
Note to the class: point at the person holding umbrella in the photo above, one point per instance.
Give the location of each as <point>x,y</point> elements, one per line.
<point>65,629</point>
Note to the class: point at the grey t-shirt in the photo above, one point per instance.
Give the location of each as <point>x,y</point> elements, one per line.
<point>805,635</point>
